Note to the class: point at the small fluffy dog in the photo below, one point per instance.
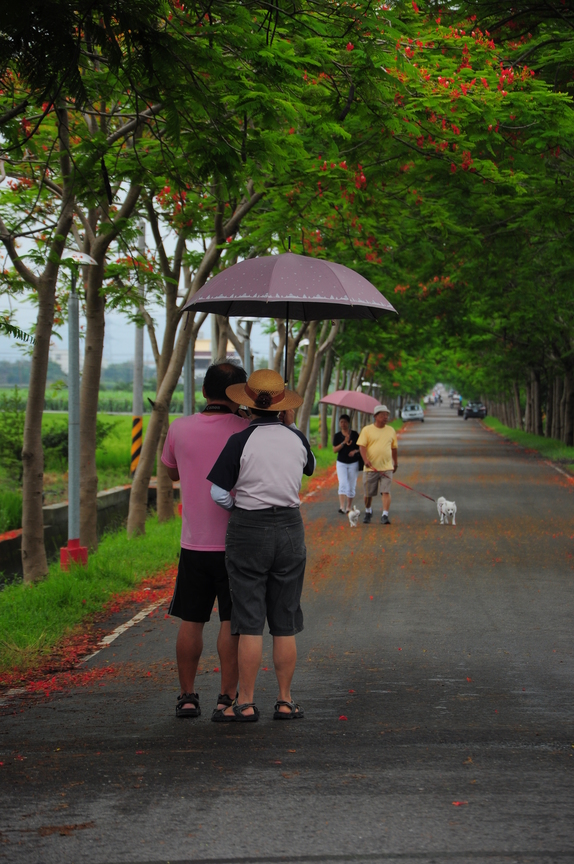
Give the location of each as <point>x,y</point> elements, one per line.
<point>445,509</point>
<point>353,515</point>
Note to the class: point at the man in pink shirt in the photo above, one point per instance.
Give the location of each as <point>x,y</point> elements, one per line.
<point>191,448</point>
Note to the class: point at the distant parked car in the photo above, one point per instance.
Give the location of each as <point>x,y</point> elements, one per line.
<point>474,409</point>
<point>413,412</point>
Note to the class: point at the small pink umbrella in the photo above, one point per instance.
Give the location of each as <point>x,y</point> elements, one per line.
<point>353,399</point>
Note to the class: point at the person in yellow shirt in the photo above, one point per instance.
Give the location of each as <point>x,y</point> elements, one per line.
<point>379,451</point>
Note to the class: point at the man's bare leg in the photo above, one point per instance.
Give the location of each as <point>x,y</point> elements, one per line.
<point>227,646</point>
<point>368,502</point>
<point>386,501</point>
<point>249,657</point>
<point>284,660</point>
<point>188,648</point>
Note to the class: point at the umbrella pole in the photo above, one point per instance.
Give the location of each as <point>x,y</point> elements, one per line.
<point>285,370</point>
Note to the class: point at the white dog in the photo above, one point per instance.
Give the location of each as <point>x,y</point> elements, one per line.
<point>353,515</point>
<point>445,509</point>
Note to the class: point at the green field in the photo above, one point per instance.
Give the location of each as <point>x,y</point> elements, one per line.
<point>109,400</point>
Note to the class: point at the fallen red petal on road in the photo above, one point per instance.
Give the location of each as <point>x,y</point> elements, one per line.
<point>352,691</point>
<point>469,679</point>
<point>459,803</point>
<point>216,669</point>
<point>342,717</point>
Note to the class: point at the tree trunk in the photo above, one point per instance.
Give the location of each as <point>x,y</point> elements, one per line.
<point>550,408</point>
<point>280,352</point>
<point>164,487</point>
<point>517,408</point>
<point>93,350</point>
<point>556,427</point>
<point>222,336</point>
<point>326,381</point>
<point>34,561</point>
<point>536,402</point>
<point>335,411</point>
<point>306,371</point>
<point>211,257</point>
<point>563,402</point>
<point>310,392</point>
<point>528,413</point>
<point>160,412</point>
<point>569,408</point>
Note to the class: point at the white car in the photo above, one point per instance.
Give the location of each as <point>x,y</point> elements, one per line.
<point>413,412</point>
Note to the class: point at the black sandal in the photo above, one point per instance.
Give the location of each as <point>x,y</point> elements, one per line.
<point>219,715</point>
<point>186,699</point>
<point>295,712</point>
<point>240,717</point>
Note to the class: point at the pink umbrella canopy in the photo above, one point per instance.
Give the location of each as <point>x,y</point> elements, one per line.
<point>353,399</point>
<point>290,286</point>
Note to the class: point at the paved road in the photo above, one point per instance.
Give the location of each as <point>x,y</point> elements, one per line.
<point>448,650</point>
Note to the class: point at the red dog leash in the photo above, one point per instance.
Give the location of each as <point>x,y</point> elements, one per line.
<point>414,490</point>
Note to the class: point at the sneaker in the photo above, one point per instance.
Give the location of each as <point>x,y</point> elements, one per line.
<point>367,519</point>
<point>385,520</point>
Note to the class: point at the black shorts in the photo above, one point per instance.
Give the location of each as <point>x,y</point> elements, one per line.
<point>266,556</point>
<point>201,577</point>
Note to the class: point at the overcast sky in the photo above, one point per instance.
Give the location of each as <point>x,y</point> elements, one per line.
<point>119,338</point>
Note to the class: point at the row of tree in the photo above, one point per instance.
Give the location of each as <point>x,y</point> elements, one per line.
<point>426,149</point>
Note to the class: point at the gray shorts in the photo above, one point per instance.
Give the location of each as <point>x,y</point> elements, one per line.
<point>375,481</point>
<point>265,556</point>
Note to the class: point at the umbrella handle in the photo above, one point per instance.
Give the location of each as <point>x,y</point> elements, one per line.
<point>286,371</point>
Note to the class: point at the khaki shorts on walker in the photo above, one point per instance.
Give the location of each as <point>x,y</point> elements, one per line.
<point>376,481</point>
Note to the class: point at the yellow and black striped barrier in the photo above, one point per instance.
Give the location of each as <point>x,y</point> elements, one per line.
<point>137,437</point>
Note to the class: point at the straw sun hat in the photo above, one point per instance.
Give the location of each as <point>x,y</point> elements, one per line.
<point>266,391</point>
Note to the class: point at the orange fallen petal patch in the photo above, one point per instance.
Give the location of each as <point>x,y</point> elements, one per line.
<point>459,803</point>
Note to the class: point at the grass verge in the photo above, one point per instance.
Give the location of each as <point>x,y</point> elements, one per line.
<point>547,447</point>
<point>33,618</point>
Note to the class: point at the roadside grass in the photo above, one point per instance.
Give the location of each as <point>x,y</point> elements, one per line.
<point>548,447</point>
<point>33,618</point>
<point>10,510</point>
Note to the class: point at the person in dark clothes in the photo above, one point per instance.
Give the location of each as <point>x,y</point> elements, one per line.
<point>348,462</point>
<point>265,544</point>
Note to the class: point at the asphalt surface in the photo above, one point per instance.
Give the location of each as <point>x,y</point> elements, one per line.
<point>436,672</point>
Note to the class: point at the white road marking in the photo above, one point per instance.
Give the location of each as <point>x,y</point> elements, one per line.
<point>111,637</point>
<point>560,471</point>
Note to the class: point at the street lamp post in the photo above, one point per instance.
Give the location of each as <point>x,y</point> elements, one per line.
<point>73,552</point>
